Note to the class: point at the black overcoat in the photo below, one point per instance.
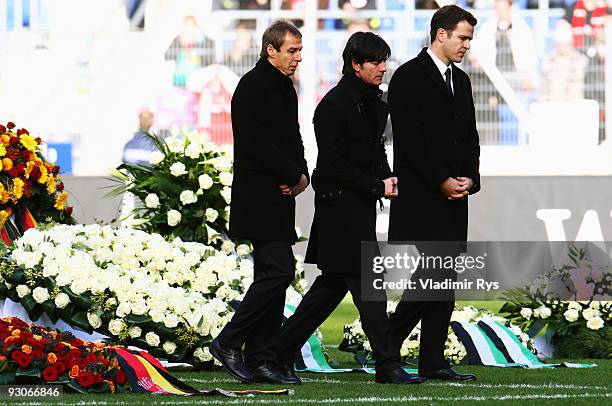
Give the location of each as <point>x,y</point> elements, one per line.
<point>268,151</point>
<point>349,123</point>
<point>434,138</point>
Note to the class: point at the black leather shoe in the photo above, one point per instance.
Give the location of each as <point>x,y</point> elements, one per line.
<point>232,362</point>
<point>266,373</point>
<point>289,371</point>
<point>398,376</point>
<point>448,374</point>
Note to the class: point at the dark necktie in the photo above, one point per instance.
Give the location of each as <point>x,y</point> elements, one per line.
<point>447,74</point>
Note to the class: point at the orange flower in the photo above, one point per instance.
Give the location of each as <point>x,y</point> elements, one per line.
<point>2,358</point>
<point>52,358</point>
<point>53,334</point>
<point>111,385</point>
<point>7,164</point>
<point>74,371</point>
<point>62,199</point>
<point>26,349</point>
<point>16,333</point>
<point>5,139</point>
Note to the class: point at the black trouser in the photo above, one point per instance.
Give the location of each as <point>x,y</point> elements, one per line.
<point>432,308</point>
<point>326,293</point>
<point>257,321</point>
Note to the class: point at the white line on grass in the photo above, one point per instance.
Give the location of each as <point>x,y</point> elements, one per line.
<point>277,400</point>
<point>432,383</point>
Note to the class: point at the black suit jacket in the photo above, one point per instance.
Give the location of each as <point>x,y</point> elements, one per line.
<point>268,151</point>
<point>349,123</point>
<point>434,138</point>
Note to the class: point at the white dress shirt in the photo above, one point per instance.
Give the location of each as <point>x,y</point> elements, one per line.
<point>442,67</point>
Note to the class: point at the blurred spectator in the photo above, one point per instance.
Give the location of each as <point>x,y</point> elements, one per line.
<point>564,71</point>
<point>139,148</point>
<point>588,18</point>
<point>506,40</point>
<point>241,5</point>
<point>244,52</point>
<point>191,50</point>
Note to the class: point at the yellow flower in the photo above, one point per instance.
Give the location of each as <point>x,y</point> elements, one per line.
<point>28,142</point>
<point>5,139</point>
<point>5,197</point>
<point>17,189</point>
<point>29,166</point>
<point>3,217</point>
<point>44,175</point>
<point>62,200</point>
<point>7,164</point>
<point>2,150</point>
<point>51,184</point>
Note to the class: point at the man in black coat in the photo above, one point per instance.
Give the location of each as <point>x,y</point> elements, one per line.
<point>269,171</point>
<point>436,160</point>
<point>352,174</point>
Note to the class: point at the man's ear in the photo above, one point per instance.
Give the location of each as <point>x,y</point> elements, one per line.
<point>271,51</point>
<point>441,34</point>
<point>355,65</point>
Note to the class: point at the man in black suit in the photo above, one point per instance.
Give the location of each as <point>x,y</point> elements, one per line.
<point>436,160</point>
<point>269,172</point>
<point>352,174</point>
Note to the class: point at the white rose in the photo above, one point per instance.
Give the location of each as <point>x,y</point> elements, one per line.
<point>211,215</point>
<point>174,217</point>
<point>62,300</point>
<point>177,169</point>
<point>545,312</point>
<point>193,150</point>
<point>226,178</point>
<point>135,331</point>
<point>571,315</point>
<point>139,308</point>
<point>111,302</point>
<point>205,181</point>
<point>156,157</point>
<point>152,339</point>
<point>123,309</point>
<point>156,315</point>
<point>116,326</point>
<point>171,320</point>
<point>226,193</point>
<point>40,294</point>
<point>175,145</point>
<point>594,305</point>
<point>169,347</point>
<point>590,313</point>
<point>526,313</point>
<point>575,306</point>
<point>228,246</point>
<point>22,291</point>
<point>243,250</point>
<point>79,286</point>
<point>222,163</point>
<point>152,201</point>
<point>203,354</point>
<point>188,197</point>
<point>94,320</point>
<point>595,323</point>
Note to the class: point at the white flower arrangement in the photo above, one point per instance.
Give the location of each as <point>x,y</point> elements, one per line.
<point>355,339</point>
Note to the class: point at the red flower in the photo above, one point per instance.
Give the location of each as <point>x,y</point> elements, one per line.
<point>26,155</point>
<point>55,170</point>
<point>69,210</point>
<point>22,359</point>
<point>59,348</point>
<point>86,379</point>
<point>74,353</point>
<point>12,153</point>
<point>13,140</point>
<point>2,129</point>
<point>10,125</point>
<point>82,363</point>
<point>60,186</point>
<point>17,170</point>
<point>38,140</point>
<point>120,377</point>
<point>37,354</point>
<point>22,131</point>
<point>59,367</point>
<point>50,374</point>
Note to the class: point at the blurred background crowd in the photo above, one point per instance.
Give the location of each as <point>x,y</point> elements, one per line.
<point>90,76</point>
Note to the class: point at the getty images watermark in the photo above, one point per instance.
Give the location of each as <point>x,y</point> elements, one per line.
<point>432,271</point>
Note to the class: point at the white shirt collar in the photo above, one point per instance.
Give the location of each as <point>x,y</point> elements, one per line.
<point>441,66</point>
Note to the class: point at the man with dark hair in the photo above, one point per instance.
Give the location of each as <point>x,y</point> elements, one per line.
<point>436,160</point>
<point>269,172</point>
<point>352,174</point>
